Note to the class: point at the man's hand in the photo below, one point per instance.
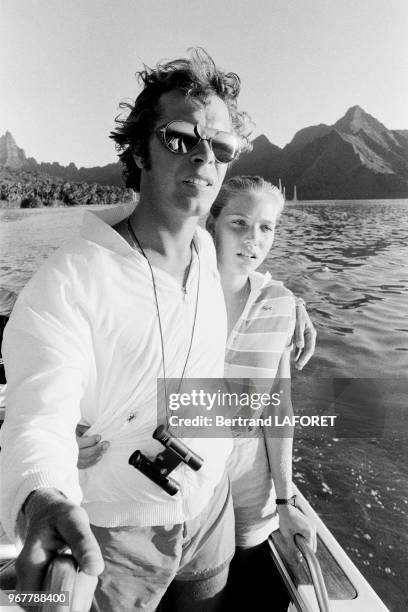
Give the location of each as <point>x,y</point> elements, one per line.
<point>291,522</point>
<point>305,336</point>
<point>54,524</point>
<point>91,449</point>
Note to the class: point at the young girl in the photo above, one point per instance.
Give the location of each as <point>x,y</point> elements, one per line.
<point>261,322</point>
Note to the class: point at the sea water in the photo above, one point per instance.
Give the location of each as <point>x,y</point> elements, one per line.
<point>349,262</point>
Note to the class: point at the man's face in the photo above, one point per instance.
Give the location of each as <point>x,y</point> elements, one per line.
<point>186,183</point>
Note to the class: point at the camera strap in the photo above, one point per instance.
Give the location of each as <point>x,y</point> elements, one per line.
<point>137,243</point>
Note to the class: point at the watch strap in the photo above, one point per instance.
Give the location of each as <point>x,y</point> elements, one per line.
<point>286,501</point>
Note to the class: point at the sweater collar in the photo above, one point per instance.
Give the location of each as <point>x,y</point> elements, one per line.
<point>97,227</point>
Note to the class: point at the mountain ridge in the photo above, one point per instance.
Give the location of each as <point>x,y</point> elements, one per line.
<point>13,157</point>
<point>356,157</point>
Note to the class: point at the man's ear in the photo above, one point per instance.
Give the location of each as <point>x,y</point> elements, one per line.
<point>210,224</point>
<point>138,161</point>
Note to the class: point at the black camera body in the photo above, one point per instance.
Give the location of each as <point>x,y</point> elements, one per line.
<point>164,463</point>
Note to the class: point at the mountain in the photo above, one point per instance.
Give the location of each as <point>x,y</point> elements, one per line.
<point>401,133</point>
<point>11,156</point>
<point>357,157</point>
<point>111,174</point>
<point>308,134</point>
<point>14,158</point>
<point>265,157</point>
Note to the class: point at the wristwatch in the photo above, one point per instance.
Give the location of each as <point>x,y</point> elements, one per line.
<point>282,501</point>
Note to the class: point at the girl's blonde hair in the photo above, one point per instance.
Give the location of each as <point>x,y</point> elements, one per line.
<point>238,185</point>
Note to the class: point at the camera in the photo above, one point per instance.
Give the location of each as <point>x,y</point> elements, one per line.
<point>164,463</point>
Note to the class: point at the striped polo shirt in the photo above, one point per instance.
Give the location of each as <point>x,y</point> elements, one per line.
<point>263,332</point>
<point>254,350</point>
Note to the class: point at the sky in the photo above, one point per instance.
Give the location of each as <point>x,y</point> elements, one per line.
<point>66,64</point>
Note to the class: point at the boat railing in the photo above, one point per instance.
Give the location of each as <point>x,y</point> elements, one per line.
<point>315,573</point>
<point>67,589</point>
<point>344,586</point>
<point>64,576</point>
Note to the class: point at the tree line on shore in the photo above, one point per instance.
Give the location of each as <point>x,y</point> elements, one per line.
<point>24,189</point>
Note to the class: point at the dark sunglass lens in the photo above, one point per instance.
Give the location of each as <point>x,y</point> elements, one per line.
<point>224,151</point>
<point>225,145</point>
<point>180,138</point>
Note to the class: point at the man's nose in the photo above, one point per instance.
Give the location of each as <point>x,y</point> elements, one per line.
<point>203,153</point>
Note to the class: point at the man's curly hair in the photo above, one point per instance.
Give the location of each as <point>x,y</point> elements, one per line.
<point>195,76</point>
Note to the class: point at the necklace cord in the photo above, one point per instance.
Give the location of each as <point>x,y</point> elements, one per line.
<point>135,239</point>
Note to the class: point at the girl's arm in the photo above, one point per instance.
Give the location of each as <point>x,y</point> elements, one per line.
<point>279,450</point>
<point>305,335</point>
<point>91,449</point>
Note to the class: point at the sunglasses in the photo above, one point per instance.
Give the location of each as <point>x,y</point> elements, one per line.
<point>182,137</point>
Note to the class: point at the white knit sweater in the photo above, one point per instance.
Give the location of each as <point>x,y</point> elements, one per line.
<point>83,343</point>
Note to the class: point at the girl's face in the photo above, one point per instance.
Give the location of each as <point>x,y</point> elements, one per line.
<point>244,231</point>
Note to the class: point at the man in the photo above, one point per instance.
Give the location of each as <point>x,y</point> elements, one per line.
<point>89,336</point>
